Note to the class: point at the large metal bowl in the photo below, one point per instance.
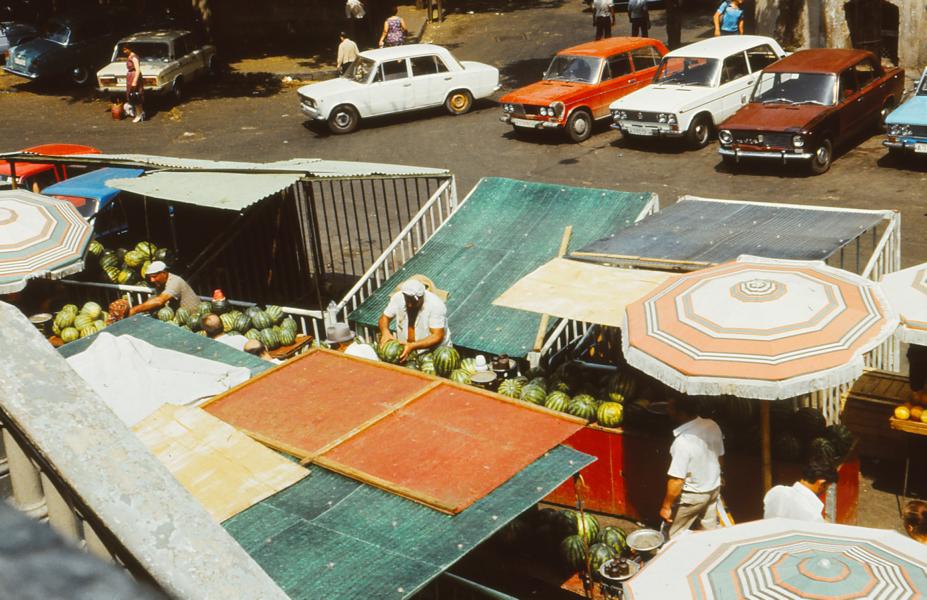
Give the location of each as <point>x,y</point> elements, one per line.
<point>644,541</point>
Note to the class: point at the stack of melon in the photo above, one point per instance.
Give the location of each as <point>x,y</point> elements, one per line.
<point>269,325</point>
<point>915,409</point>
<point>127,266</point>
<point>71,323</point>
<point>554,393</point>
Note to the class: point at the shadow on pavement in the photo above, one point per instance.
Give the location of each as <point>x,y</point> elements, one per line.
<point>437,112</point>
<point>657,146</point>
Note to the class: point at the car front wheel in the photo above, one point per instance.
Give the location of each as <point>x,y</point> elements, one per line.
<point>80,74</point>
<point>459,102</point>
<point>579,126</point>
<point>177,91</point>
<point>699,132</point>
<point>343,119</point>
<point>822,158</point>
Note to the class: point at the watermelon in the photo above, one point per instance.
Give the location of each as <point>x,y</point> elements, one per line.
<point>228,322</point>
<point>95,248</point>
<point>842,439</point>
<point>610,414</point>
<point>252,309</point>
<point>468,365</point>
<point>557,397</point>
<point>540,382</point>
<point>510,388</point>
<point>146,249</point>
<point>253,334</point>
<point>599,554</point>
<point>286,336</point>
<point>390,351</point>
<point>71,308</point>
<point>573,552</point>
<point>808,423</point>
<point>182,316</point>
<point>582,408</point>
<point>460,376</point>
<point>588,526</point>
<point>534,394</point>
<point>109,259</point>
<point>133,259</point>
<point>289,323</point>
<point>620,386</point>
<point>64,318</point>
<point>120,254</point>
<point>822,449</point>
<point>586,398</point>
<point>112,273</point>
<point>558,402</point>
<point>165,314</point>
<point>93,309</point>
<point>786,446</point>
<point>69,334</point>
<point>261,320</point>
<point>88,330</point>
<point>274,312</point>
<point>204,308</point>
<point>143,270</point>
<point>269,339</point>
<point>446,359</point>
<point>164,255</point>
<point>222,306</point>
<point>614,538</point>
<point>126,277</point>
<point>559,386</point>
<point>99,324</point>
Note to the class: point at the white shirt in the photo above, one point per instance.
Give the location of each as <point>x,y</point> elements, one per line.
<point>354,9</point>
<point>362,351</point>
<point>235,341</point>
<point>347,52</point>
<point>695,452</point>
<point>602,8</point>
<point>795,502</point>
<point>432,315</point>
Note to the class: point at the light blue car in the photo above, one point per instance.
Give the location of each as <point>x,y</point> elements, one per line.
<point>906,126</point>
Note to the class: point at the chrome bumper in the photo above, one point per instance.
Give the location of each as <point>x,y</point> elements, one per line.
<point>312,113</point>
<point>528,123</point>
<point>902,145</point>
<point>21,73</point>
<point>654,132</point>
<point>782,155</point>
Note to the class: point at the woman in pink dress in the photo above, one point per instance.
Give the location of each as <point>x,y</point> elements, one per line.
<point>134,84</point>
<point>394,30</point>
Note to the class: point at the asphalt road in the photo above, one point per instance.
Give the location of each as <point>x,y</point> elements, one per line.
<point>254,117</point>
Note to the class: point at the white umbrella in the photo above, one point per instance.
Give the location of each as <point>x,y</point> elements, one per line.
<point>906,291</point>
<point>782,559</point>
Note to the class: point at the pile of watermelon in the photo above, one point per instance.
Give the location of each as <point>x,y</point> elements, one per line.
<point>269,325</point>
<point>443,361</point>
<point>127,266</point>
<point>72,323</point>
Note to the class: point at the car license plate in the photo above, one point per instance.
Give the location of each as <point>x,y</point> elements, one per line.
<point>920,148</point>
<point>523,122</point>
<point>640,130</point>
<point>18,60</point>
<point>121,80</point>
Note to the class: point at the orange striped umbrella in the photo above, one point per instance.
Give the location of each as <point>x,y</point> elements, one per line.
<point>757,328</point>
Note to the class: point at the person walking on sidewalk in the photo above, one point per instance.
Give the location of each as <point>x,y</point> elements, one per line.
<point>347,53</point>
<point>694,475</point>
<point>639,15</point>
<point>603,18</point>
<point>729,18</point>
<point>356,15</point>
<point>394,30</point>
<point>134,85</point>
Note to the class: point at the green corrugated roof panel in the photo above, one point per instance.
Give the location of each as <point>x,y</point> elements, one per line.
<point>170,337</point>
<point>329,537</point>
<point>504,230</point>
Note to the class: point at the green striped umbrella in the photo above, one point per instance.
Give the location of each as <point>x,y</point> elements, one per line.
<point>39,237</point>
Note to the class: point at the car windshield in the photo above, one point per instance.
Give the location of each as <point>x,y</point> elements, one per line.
<point>146,51</point>
<point>922,89</point>
<point>360,70</point>
<point>795,88</point>
<point>58,33</point>
<point>681,70</point>
<point>584,69</point>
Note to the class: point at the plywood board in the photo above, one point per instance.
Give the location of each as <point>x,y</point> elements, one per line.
<point>221,467</point>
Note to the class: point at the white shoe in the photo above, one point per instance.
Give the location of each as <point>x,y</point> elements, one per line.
<point>139,118</point>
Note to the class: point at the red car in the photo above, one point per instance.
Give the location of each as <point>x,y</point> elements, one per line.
<point>581,82</point>
<point>36,176</point>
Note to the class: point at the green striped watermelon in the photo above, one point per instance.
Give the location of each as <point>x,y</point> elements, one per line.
<point>534,394</point>
<point>133,259</point>
<point>614,538</point>
<point>69,334</point>
<point>446,359</point>
<point>289,323</point>
<point>621,386</point>
<point>146,249</point>
<point>586,398</point>
<point>287,336</point>
<point>109,260</point>
<point>165,314</point>
<point>559,386</point>
<point>460,376</point>
<point>540,382</point>
<point>253,334</point>
<point>510,388</point>
<point>558,402</point>
<point>582,408</point>
<point>242,322</point>
<point>468,365</point>
<point>274,312</point>
<point>599,554</point>
<point>70,308</point>
<point>269,339</point>
<point>610,414</point>
<point>228,322</point>
<point>82,320</point>
<point>390,351</point>
<point>112,273</point>
<point>261,320</point>
<point>587,526</point>
<point>88,330</point>
<point>93,309</point>
<point>64,319</point>
<point>573,552</point>
<point>95,248</point>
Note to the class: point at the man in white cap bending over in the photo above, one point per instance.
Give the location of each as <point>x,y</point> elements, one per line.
<point>341,338</point>
<point>172,290</point>
<point>421,319</point>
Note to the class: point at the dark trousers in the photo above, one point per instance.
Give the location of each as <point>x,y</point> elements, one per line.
<point>723,32</point>
<point>917,364</point>
<point>603,27</point>
<point>639,26</point>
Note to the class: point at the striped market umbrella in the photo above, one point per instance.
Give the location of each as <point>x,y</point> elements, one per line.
<point>906,291</point>
<point>757,328</point>
<point>782,559</point>
<point>39,237</point>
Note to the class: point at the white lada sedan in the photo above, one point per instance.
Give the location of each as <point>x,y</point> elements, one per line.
<point>394,80</point>
<point>695,88</point>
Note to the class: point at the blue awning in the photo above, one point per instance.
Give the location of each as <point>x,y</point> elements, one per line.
<point>93,185</point>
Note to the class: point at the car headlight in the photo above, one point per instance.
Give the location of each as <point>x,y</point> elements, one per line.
<point>899,130</point>
<point>725,137</point>
<point>661,118</point>
<point>506,108</point>
<point>543,111</point>
<point>619,115</point>
<point>671,119</point>
<point>798,141</point>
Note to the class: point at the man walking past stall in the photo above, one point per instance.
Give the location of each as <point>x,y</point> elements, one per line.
<point>694,476</point>
<point>347,53</point>
<point>603,18</point>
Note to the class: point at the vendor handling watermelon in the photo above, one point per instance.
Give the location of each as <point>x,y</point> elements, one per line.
<point>421,319</point>
<point>171,290</point>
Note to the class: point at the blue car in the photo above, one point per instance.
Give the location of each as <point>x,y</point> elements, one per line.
<point>906,126</point>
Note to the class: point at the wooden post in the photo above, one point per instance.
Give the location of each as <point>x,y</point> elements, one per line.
<point>13,185</point>
<point>766,451</point>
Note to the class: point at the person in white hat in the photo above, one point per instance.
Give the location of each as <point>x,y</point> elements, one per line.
<point>421,319</point>
<point>340,337</point>
<point>171,290</point>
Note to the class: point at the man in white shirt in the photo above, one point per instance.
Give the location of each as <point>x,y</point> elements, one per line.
<point>603,17</point>
<point>347,53</point>
<point>694,476</point>
<point>421,319</point>
<point>801,500</point>
<point>341,338</point>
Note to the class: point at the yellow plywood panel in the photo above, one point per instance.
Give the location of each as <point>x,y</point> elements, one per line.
<point>571,289</point>
<point>223,468</point>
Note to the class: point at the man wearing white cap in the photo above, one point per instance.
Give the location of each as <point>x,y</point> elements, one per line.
<point>172,289</point>
<point>421,318</point>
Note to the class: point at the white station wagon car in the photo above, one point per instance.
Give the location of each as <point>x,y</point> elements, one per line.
<point>695,88</point>
<point>169,59</point>
<point>398,79</point>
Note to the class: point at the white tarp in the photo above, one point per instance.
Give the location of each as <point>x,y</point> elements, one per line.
<point>135,378</point>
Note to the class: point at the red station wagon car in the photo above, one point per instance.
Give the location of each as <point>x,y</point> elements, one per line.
<point>581,82</point>
<point>808,103</point>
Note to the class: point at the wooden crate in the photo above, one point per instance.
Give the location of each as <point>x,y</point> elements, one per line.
<point>917,427</point>
<point>867,408</point>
